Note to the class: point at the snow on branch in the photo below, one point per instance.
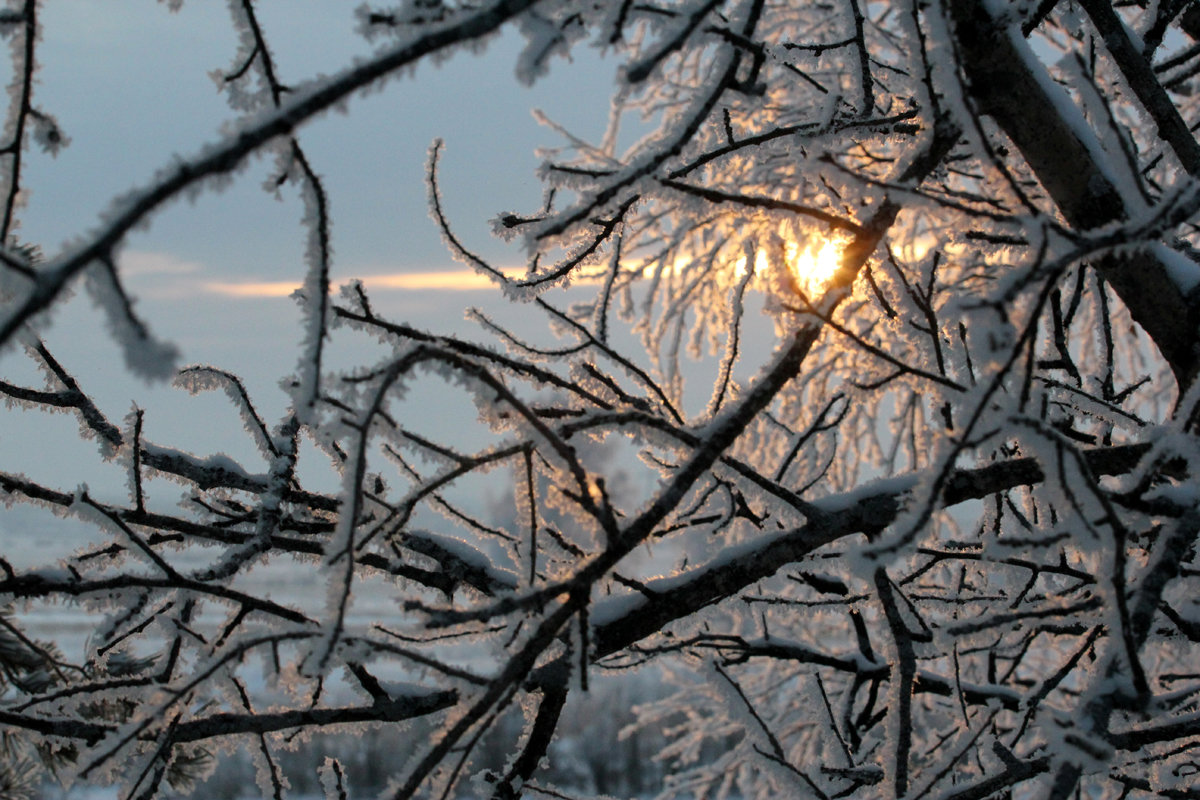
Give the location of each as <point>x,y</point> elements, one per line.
<point>844,443</point>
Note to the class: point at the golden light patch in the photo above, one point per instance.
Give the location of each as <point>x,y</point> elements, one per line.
<point>814,266</point>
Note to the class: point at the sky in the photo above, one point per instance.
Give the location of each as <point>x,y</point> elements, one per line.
<point>130,83</point>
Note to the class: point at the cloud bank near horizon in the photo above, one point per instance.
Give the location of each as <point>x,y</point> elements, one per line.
<point>165,275</point>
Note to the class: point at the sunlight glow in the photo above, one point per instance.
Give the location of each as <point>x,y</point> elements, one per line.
<point>814,266</point>
<point>811,268</point>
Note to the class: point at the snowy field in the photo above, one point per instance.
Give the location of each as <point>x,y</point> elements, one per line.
<point>32,537</point>
<point>580,759</point>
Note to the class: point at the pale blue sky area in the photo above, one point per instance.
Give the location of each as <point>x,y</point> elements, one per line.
<point>129,82</point>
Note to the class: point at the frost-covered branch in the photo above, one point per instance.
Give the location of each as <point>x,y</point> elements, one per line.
<point>856,447</point>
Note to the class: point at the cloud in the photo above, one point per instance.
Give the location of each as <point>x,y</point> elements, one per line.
<point>457,280</point>
<point>462,280</point>
<point>165,276</point>
<point>251,288</point>
<point>137,263</point>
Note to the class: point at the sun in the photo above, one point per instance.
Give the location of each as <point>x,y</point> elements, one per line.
<point>811,267</point>
<point>814,266</point>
